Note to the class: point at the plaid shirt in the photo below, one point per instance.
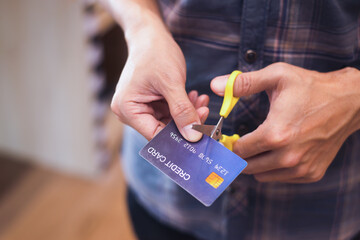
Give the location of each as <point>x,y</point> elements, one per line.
<point>217,37</point>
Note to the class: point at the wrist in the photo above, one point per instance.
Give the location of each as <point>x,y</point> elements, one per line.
<point>139,19</point>
<point>349,84</point>
<point>357,97</point>
<point>144,30</point>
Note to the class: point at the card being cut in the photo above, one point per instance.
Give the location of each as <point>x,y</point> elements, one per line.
<point>204,169</point>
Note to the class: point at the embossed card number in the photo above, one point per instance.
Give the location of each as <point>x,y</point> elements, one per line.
<point>204,169</point>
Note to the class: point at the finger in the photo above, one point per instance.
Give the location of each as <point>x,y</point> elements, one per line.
<point>203,113</point>
<point>260,178</point>
<point>150,129</point>
<point>218,84</point>
<point>277,159</point>
<point>313,175</point>
<point>141,118</point>
<point>159,109</point>
<point>193,96</point>
<point>282,175</point>
<point>144,118</point>
<point>252,144</point>
<point>246,83</point>
<point>262,163</point>
<point>183,113</point>
<point>202,100</point>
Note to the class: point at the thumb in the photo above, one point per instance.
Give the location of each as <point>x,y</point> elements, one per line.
<point>245,83</point>
<point>184,114</point>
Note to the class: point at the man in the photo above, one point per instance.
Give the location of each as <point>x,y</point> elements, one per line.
<point>299,114</point>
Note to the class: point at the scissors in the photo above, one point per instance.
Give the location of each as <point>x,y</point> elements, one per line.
<point>214,131</point>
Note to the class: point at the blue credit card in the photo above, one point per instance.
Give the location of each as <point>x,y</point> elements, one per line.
<point>204,169</point>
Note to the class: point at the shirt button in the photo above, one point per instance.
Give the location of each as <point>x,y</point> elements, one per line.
<point>250,56</point>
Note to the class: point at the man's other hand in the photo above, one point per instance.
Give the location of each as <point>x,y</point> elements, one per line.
<point>311,115</point>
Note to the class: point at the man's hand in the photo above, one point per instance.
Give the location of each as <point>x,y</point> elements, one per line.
<point>311,115</point>
<point>151,89</point>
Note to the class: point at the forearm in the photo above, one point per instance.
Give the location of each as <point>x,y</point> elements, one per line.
<point>135,16</point>
<point>356,85</point>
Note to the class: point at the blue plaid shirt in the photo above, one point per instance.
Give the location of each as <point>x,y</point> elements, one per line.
<point>218,36</point>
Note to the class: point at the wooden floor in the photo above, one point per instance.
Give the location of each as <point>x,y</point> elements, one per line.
<point>44,205</point>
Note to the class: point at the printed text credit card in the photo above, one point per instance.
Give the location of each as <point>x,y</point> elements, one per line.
<point>204,169</point>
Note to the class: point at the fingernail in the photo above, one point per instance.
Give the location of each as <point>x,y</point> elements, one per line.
<point>219,84</point>
<point>191,134</point>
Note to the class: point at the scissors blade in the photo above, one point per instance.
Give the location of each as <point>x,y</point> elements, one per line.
<point>216,134</point>
<point>213,131</point>
<point>205,129</point>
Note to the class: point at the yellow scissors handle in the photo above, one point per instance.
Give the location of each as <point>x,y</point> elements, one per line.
<point>227,106</point>
<point>228,141</point>
<point>229,99</point>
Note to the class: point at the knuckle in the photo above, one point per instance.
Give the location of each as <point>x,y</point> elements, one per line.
<point>289,161</point>
<point>169,81</point>
<point>278,138</point>
<point>115,106</point>
<point>238,148</point>
<point>312,169</point>
<point>267,140</point>
<point>316,176</point>
<point>244,85</point>
<point>350,70</point>
<point>301,171</point>
<point>118,107</point>
<point>181,108</point>
<point>280,67</point>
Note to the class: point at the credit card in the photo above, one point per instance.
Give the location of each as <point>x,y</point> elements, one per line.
<point>204,169</point>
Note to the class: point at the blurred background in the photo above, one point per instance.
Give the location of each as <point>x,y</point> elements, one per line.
<point>60,176</point>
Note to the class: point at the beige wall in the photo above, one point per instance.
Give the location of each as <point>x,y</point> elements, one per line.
<point>45,98</point>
